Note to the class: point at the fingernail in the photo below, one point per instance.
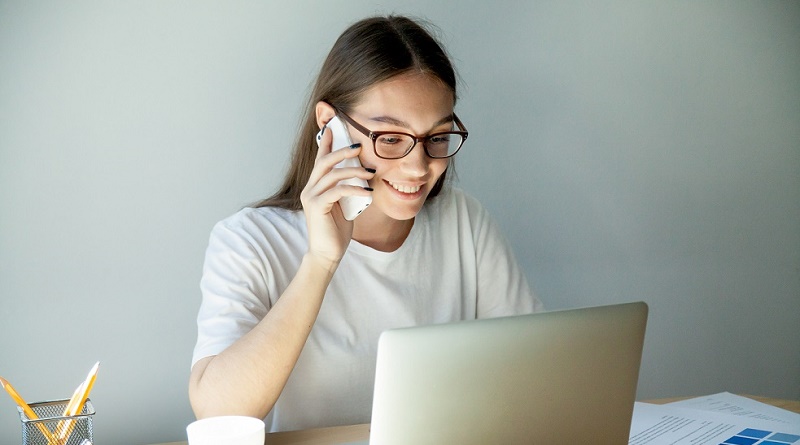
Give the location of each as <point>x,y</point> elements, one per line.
<point>369,189</point>
<point>356,145</point>
<point>371,170</point>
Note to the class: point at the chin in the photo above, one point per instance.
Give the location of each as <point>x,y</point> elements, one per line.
<point>403,212</point>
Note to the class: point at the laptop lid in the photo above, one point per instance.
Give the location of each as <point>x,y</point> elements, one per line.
<point>555,377</point>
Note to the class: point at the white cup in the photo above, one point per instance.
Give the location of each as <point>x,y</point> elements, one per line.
<point>226,430</point>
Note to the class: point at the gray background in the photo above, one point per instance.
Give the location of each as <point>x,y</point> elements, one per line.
<point>630,150</point>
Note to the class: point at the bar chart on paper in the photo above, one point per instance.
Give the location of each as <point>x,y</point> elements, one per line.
<point>721,419</point>
<point>752,436</point>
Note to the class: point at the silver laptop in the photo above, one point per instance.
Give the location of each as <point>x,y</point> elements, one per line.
<point>554,377</point>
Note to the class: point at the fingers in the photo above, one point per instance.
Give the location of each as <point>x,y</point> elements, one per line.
<point>324,202</point>
<point>326,143</point>
<point>337,175</point>
<point>329,188</point>
<point>323,188</point>
<point>327,160</point>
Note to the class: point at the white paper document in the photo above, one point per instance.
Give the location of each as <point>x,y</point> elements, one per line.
<point>709,421</point>
<point>727,403</point>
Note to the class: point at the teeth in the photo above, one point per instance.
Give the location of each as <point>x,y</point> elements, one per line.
<point>405,188</point>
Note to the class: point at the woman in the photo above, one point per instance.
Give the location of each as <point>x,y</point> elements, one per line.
<point>295,296</point>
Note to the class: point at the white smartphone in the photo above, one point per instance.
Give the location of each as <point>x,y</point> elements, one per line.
<point>352,206</point>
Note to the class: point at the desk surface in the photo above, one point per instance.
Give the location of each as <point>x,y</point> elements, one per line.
<point>354,433</point>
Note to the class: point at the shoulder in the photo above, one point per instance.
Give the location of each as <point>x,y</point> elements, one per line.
<point>260,216</point>
<point>260,223</point>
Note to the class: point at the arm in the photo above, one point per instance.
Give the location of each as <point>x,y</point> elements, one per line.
<point>248,376</point>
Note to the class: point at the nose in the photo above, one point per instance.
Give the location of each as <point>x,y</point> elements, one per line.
<point>416,163</point>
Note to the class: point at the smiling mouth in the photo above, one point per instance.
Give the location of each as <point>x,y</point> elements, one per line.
<point>405,188</point>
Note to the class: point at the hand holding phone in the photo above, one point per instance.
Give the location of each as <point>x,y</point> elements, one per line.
<point>351,206</point>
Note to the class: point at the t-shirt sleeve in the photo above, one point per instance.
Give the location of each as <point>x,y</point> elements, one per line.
<point>233,290</point>
<point>502,286</point>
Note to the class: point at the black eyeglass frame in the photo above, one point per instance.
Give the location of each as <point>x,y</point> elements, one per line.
<point>374,135</point>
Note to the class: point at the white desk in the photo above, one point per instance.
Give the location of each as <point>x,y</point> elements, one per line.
<point>354,433</point>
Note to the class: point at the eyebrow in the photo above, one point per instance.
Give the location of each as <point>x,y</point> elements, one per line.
<point>392,121</point>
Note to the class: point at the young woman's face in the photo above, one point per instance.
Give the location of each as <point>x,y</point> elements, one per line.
<point>417,104</point>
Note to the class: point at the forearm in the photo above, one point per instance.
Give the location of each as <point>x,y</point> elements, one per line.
<point>248,376</point>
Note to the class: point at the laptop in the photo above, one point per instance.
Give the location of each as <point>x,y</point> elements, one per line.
<point>554,377</point>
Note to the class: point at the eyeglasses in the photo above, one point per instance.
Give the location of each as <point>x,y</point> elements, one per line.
<point>395,145</point>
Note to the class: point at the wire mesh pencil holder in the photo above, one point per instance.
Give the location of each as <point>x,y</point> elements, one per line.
<point>53,428</point>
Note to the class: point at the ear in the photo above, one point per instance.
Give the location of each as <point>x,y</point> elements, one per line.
<point>324,112</point>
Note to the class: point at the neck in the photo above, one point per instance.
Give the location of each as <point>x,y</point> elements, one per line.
<point>381,232</point>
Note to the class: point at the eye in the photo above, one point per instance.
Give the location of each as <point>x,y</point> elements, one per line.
<point>390,139</point>
<point>439,139</point>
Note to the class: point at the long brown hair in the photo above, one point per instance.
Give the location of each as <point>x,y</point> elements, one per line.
<point>369,51</point>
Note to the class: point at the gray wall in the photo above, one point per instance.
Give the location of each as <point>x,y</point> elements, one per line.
<point>630,150</point>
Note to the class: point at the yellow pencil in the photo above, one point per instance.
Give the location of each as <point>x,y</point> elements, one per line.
<point>27,410</point>
<point>64,429</point>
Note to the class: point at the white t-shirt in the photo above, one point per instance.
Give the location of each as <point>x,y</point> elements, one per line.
<point>454,265</point>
